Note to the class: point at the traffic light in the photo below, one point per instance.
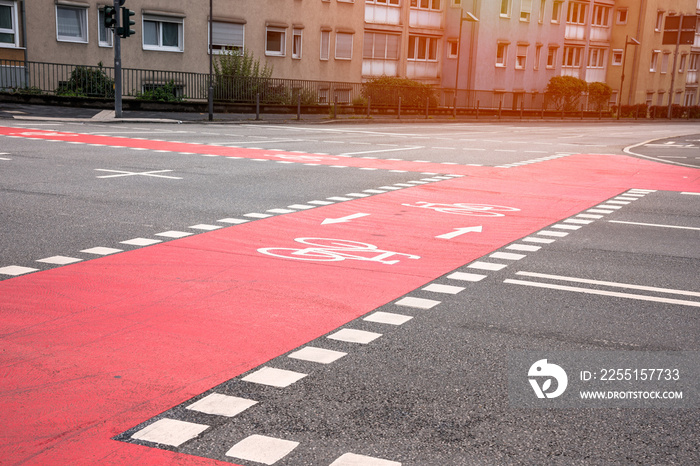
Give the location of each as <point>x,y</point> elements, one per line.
<point>110,16</point>
<point>125,29</point>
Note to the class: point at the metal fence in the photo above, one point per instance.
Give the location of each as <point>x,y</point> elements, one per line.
<point>98,81</point>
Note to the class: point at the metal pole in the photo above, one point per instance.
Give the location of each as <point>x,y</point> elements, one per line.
<point>210,96</point>
<point>299,106</point>
<point>622,78</point>
<point>673,70</point>
<point>257,106</point>
<point>117,63</point>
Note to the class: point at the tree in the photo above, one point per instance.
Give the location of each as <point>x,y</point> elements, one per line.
<point>566,91</point>
<point>599,95</point>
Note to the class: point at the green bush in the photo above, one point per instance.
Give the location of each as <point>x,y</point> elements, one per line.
<point>87,82</point>
<point>165,93</point>
<point>385,91</point>
<point>239,77</point>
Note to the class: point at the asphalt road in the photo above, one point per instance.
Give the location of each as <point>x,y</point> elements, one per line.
<point>560,243</point>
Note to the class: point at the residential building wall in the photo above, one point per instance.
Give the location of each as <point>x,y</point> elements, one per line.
<point>649,66</point>
<point>179,30</point>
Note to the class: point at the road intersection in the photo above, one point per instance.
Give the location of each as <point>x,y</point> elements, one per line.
<point>367,311</point>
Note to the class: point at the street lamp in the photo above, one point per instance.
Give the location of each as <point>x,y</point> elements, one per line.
<point>628,41</point>
<point>462,18</point>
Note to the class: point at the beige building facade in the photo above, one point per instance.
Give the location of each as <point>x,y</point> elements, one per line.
<point>649,66</point>
<point>516,46</point>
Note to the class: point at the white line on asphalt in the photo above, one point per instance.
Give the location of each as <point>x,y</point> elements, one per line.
<point>655,225</point>
<point>383,150</point>
<point>605,283</point>
<point>604,293</point>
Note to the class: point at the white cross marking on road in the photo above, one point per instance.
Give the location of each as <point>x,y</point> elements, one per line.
<point>127,173</point>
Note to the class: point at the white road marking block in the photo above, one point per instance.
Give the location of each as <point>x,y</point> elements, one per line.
<point>101,251</point>
<point>15,270</point>
<point>221,405</point>
<point>319,355</point>
<point>467,277</point>
<point>274,377</point>
<point>447,289</point>
<point>388,318</point>
<point>418,303</point>
<point>170,432</point>
<point>354,336</point>
<point>262,449</point>
<point>486,266</point>
<point>59,260</point>
<point>352,459</point>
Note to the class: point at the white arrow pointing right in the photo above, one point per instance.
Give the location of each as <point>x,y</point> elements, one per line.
<point>461,231</point>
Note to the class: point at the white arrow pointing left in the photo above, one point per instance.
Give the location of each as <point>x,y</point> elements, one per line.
<point>461,231</point>
<point>343,219</point>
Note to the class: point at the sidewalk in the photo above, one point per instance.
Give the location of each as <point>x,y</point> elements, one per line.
<point>30,112</point>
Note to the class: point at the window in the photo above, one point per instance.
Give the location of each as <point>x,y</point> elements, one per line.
<point>694,60</point>
<point>384,2</point>
<point>556,11</point>
<point>543,8</point>
<point>275,41</point>
<point>105,34</point>
<point>525,10</point>
<point>551,57</point>
<point>71,24</point>
<point>681,67</point>
<point>422,48</point>
<point>501,54</point>
<point>227,35</point>
<point>452,49</point>
<point>660,98</point>
<point>8,24</point>
<point>381,46</point>
<point>617,57</point>
<point>325,45</point>
<point>343,46</point>
<point>664,62</point>
<point>521,57</point>
<point>621,16</point>
<point>163,33</point>
<point>572,57</point>
<point>577,13</point>
<point>426,4</point>
<point>659,21</point>
<point>296,43</point>
<point>596,58</point>
<point>601,16</point>
<point>505,8</point>
<point>538,56</point>
<point>654,60</point>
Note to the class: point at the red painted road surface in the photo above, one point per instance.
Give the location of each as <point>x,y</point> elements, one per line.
<point>92,349</point>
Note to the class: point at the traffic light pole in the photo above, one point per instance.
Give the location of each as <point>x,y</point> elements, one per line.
<point>117,64</point>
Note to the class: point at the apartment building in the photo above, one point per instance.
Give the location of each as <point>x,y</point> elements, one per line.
<point>649,67</point>
<point>299,40</point>
<point>516,46</point>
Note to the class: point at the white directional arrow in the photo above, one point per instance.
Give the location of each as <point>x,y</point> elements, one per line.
<point>343,219</point>
<point>461,231</point>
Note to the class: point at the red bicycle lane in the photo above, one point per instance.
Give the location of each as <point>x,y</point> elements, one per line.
<point>94,348</point>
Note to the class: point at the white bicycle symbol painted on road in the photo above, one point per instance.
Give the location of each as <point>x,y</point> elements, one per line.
<point>333,250</point>
<point>475,210</point>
